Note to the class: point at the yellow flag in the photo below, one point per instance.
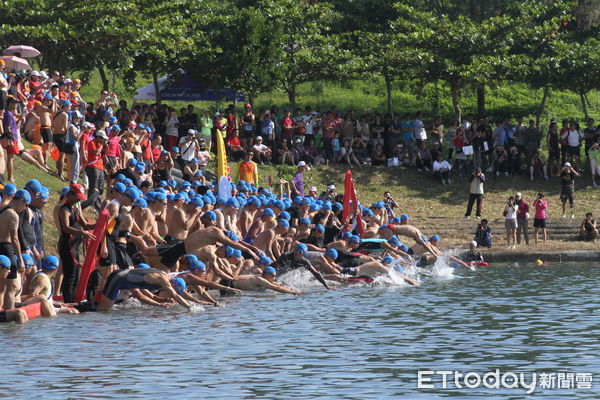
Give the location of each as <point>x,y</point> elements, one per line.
<point>221,157</point>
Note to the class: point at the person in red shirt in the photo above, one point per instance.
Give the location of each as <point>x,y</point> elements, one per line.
<point>234,147</point>
<point>522,218</point>
<point>94,168</point>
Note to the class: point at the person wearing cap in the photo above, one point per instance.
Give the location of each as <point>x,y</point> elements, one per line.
<point>247,215</point>
<point>372,269</point>
<point>472,255</point>
<point>164,164</point>
<point>36,208</point>
<point>71,146</point>
<point>189,146</point>
<point>60,123</point>
<point>262,153</point>
<point>567,188</point>
<point>265,281</point>
<point>94,169</point>
<point>329,194</point>
<point>572,137</point>
<point>315,240</point>
<point>247,169</point>
<point>44,112</point>
<point>190,169</point>
<point>10,244</point>
<point>73,229</point>
<point>10,315</point>
<point>404,229</point>
<point>297,182</point>
<point>168,287</point>
<point>183,218</point>
<point>475,193</point>
<point>297,259</point>
<point>522,218</point>
<point>41,285</point>
<point>267,240</point>
<point>172,133</point>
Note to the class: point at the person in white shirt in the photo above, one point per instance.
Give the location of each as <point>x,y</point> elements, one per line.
<point>188,146</point>
<point>262,153</point>
<point>419,126</point>
<point>510,222</point>
<point>573,138</point>
<point>441,170</point>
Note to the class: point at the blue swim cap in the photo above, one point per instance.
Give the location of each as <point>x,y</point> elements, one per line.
<point>347,235</point>
<point>232,202</point>
<point>197,265</point>
<point>210,215</point>
<point>367,213</point>
<point>198,174</point>
<point>284,223</point>
<point>186,185</point>
<point>50,263</point>
<point>181,197</point>
<point>302,248</point>
<point>231,235</point>
<point>304,221</point>
<point>403,247</point>
<point>116,127</point>
<point>27,260</point>
<point>306,201</point>
<point>132,162</point>
<point>267,212</point>
<point>387,260</point>
<point>404,217</point>
<point>112,119</point>
<point>355,239</point>
<point>237,253</point>
<point>284,215</point>
<point>65,191</point>
<point>326,206</point>
<point>162,184</point>
<point>34,186</point>
<point>119,187</point>
<point>141,203</point>
<point>172,182</point>
<point>179,285</point>
<point>197,202</point>
<point>399,268</point>
<point>131,193</point>
<point>332,253</point>
<point>298,200</point>
<point>319,228</point>
<point>141,126</point>
<point>160,197</point>
<point>396,220</point>
<point>434,238</point>
<point>190,258</point>
<point>175,149</point>
<point>127,182</point>
<point>24,195</point>
<point>45,193</point>
<point>395,241</point>
<point>279,204</point>
<point>5,262</point>
<point>269,271</point>
<point>337,206</point>
<point>264,260</point>
<point>143,266</point>
<point>9,190</point>
<point>424,238</point>
<point>140,167</point>
<point>228,251</point>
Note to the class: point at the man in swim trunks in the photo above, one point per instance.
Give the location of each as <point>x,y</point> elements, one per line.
<point>371,269</point>
<point>387,231</point>
<point>16,315</point>
<point>142,278</point>
<point>296,259</point>
<point>10,245</point>
<point>265,281</point>
<point>44,112</point>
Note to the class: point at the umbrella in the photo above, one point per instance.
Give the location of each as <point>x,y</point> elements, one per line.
<point>13,62</point>
<point>23,51</point>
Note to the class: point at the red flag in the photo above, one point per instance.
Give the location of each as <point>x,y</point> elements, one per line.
<point>351,203</point>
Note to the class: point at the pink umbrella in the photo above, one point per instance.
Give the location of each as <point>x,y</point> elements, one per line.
<point>13,62</point>
<point>22,51</point>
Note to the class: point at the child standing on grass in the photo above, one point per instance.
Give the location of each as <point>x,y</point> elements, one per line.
<point>336,147</point>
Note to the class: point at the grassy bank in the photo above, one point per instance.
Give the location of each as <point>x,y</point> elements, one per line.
<point>369,95</point>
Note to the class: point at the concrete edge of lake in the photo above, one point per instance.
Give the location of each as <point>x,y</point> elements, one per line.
<point>527,257</point>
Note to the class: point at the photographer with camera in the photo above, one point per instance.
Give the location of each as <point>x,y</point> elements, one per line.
<point>539,222</point>
<point>475,193</point>
<point>510,222</point>
<point>189,146</point>
<point>567,187</point>
<point>483,234</point>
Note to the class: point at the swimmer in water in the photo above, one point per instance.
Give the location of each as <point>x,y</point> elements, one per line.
<point>265,281</point>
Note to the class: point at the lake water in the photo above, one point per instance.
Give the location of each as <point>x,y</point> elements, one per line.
<point>355,343</point>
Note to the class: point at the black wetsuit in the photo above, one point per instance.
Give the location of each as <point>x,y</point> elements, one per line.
<point>287,262</point>
<point>26,232</point>
<point>8,250</point>
<point>315,241</point>
<point>128,279</point>
<point>348,260</point>
<point>119,255</point>
<point>68,251</point>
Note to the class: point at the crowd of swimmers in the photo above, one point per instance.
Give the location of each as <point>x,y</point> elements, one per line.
<point>170,244</point>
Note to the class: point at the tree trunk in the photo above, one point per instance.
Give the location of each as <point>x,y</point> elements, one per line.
<point>292,96</point>
<point>103,77</point>
<point>480,101</point>
<point>455,104</point>
<point>388,89</point>
<point>156,86</point>
<point>540,111</point>
<point>584,106</point>
<point>251,99</point>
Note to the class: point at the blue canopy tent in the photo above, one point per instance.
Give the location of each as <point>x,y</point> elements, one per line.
<point>180,86</point>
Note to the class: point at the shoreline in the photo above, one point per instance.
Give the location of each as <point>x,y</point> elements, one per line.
<point>495,256</point>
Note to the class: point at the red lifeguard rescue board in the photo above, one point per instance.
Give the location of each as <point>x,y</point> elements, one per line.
<point>91,258</point>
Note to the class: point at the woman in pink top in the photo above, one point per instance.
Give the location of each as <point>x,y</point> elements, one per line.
<point>539,221</point>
